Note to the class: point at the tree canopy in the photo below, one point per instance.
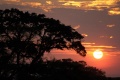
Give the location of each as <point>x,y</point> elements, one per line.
<point>27,36</point>
<point>65,69</point>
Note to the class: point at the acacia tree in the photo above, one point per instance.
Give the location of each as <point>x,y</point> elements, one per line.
<point>25,35</point>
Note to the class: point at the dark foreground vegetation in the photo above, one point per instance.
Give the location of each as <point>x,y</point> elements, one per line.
<point>64,69</point>
<point>25,37</point>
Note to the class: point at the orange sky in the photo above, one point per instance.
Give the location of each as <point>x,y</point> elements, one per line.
<point>108,63</point>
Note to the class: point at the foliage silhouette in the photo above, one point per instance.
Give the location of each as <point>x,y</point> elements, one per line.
<point>27,36</point>
<point>65,69</point>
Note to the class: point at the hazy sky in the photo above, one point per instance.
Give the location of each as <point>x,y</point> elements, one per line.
<point>97,20</point>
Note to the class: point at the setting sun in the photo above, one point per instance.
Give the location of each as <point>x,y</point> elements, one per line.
<point>98,54</point>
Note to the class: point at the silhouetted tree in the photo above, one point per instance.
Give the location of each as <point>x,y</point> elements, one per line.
<point>27,36</point>
<point>65,69</point>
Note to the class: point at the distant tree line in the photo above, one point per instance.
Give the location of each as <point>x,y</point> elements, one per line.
<point>65,69</point>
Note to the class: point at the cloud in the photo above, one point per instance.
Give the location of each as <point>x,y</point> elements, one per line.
<point>76,27</point>
<point>90,46</point>
<point>109,37</point>
<point>110,25</point>
<point>47,5</point>
<point>32,4</point>
<point>114,11</point>
<point>94,45</point>
<point>12,0</point>
<point>71,3</point>
<point>85,35</point>
<point>49,2</point>
<point>88,43</point>
<point>104,46</point>
<point>102,4</point>
<point>92,5</point>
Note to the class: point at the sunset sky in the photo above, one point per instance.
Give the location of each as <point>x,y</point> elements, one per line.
<point>97,20</point>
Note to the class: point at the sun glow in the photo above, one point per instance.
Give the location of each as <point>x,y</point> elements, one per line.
<point>98,54</point>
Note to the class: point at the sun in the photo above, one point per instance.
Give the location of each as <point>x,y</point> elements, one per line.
<point>98,54</point>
